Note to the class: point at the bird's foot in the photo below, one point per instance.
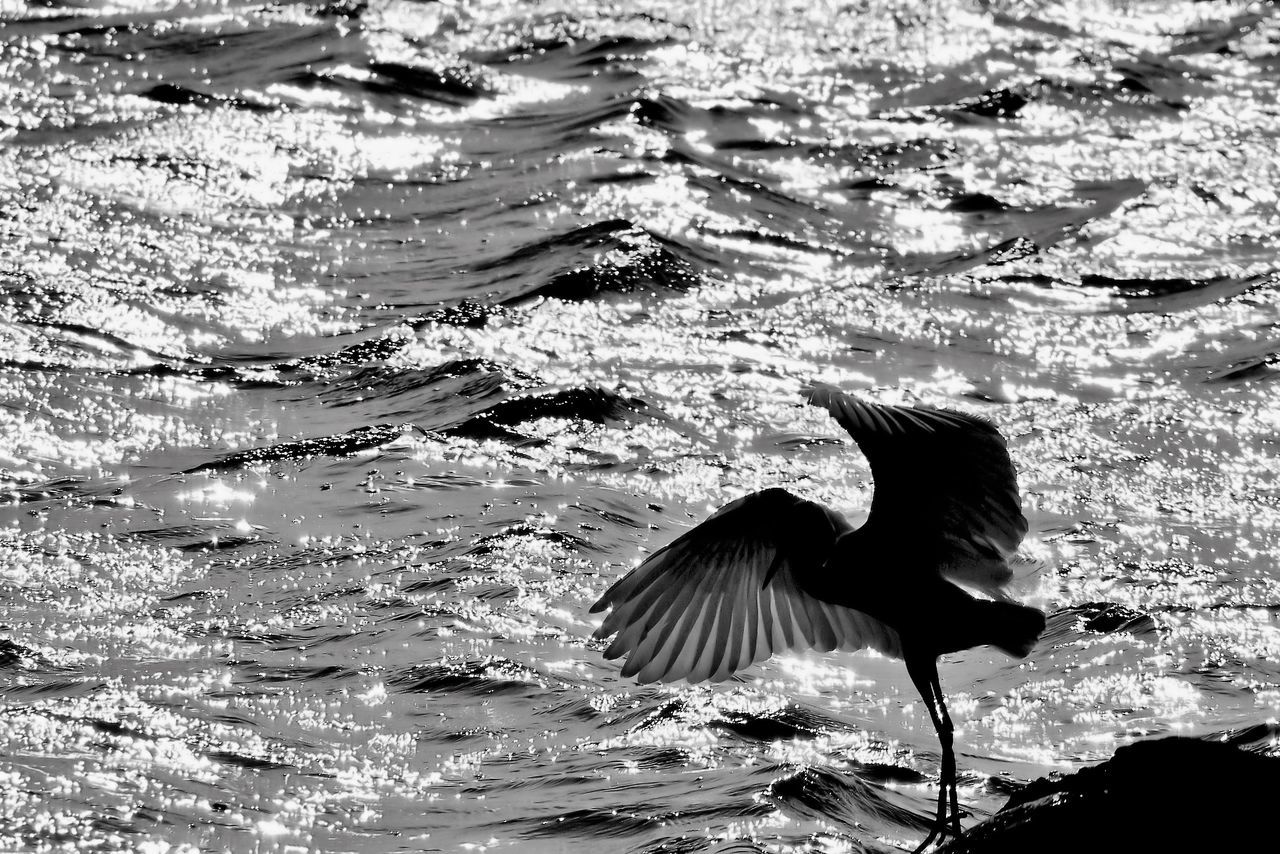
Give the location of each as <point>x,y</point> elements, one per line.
<point>937,836</point>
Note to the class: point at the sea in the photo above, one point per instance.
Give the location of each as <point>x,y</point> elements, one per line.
<point>349,351</point>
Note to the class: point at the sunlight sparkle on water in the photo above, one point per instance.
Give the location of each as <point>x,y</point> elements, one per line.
<point>240,232</point>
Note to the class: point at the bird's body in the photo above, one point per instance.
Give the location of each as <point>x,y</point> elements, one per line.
<point>933,615</point>
<point>772,571</point>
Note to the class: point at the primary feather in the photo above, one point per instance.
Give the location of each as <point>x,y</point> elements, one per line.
<point>700,609</point>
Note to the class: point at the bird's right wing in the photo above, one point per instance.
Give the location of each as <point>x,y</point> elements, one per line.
<point>724,595</point>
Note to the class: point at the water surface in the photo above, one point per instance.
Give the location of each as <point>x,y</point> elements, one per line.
<point>350,351</point>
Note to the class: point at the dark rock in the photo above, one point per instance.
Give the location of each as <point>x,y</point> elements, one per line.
<point>1170,794</point>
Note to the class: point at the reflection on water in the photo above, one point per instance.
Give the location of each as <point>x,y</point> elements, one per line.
<point>351,350</point>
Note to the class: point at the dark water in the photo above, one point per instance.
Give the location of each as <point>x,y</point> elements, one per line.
<point>351,350</point>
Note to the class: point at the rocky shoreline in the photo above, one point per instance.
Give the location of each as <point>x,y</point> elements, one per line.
<point>1170,794</point>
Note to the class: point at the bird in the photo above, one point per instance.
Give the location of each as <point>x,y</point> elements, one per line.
<point>772,571</point>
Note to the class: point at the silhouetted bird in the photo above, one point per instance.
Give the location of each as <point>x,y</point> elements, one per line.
<point>772,571</point>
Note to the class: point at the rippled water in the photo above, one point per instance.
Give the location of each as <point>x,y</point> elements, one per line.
<point>352,350</point>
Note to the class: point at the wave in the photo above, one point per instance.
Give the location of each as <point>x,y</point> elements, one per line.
<point>1037,228</point>
<point>480,677</point>
<point>843,798</point>
<point>567,58</point>
<point>783,724</point>
<point>345,444</point>
<point>491,543</point>
<point>432,398</point>
<point>595,405</point>
<point>614,256</point>
<point>1264,366</point>
<point>454,84</point>
<point>1169,295</point>
<point>1138,295</point>
<point>1104,618</point>
<point>173,93</point>
<point>15,656</point>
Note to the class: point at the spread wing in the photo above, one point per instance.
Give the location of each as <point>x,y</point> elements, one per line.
<point>945,488</point>
<point>700,609</point>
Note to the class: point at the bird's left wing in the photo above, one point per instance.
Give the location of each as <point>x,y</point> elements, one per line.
<point>945,486</point>
<point>724,595</point>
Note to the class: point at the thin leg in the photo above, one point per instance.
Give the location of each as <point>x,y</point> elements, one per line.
<point>939,822</point>
<point>946,736</point>
<point>924,673</point>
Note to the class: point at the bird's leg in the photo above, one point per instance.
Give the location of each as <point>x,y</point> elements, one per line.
<point>924,673</point>
<point>945,735</point>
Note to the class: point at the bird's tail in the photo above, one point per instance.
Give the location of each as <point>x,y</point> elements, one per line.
<point>1012,627</point>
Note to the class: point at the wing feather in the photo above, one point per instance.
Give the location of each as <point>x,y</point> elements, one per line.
<point>945,487</point>
<point>736,649</point>
<point>788,630</point>
<point>690,640</point>
<point>721,650</point>
<point>700,608</point>
<point>660,646</point>
<point>824,630</point>
<point>698,644</point>
<point>802,632</point>
<point>632,627</point>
